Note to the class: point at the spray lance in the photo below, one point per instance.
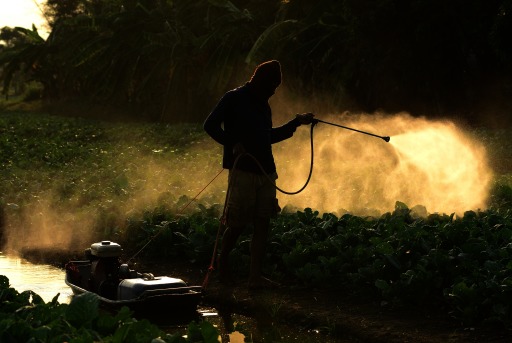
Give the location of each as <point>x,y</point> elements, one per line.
<point>385,138</point>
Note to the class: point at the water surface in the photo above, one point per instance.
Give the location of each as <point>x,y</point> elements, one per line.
<point>45,280</point>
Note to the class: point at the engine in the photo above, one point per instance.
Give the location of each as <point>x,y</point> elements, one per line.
<point>105,264</point>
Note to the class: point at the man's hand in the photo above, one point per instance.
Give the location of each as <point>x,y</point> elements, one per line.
<point>305,118</point>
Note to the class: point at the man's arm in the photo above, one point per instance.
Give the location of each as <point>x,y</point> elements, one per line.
<point>281,133</point>
<point>286,131</point>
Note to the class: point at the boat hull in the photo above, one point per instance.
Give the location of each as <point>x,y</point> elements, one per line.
<point>161,302</point>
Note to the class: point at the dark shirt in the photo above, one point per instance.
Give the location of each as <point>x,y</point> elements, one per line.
<point>240,117</point>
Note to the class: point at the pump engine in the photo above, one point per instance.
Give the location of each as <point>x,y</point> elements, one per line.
<point>105,263</point>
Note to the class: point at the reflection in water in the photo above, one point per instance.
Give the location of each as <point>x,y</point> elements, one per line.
<point>46,281</point>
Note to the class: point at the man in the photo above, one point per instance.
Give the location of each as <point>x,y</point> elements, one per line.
<point>242,123</point>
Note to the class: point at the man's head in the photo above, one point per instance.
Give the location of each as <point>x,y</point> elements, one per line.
<point>266,78</point>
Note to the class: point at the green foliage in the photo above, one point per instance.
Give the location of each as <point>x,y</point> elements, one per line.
<point>156,57</point>
<point>25,317</point>
<point>462,263</point>
<point>188,237</point>
<point>171,60</point>
<point>27,51</point>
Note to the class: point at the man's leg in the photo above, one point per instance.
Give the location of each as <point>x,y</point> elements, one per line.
<point>228,243</point>
<point>265,209</point>
<point>258,248</point>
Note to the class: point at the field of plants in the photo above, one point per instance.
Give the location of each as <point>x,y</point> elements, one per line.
<point>67,182</point>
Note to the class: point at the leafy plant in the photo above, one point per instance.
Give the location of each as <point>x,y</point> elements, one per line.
<point>26,317</point>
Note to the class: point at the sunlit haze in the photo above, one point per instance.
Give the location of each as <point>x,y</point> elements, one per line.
<point>23,13</point>
<point>429,163</point>
<point>431,166</point>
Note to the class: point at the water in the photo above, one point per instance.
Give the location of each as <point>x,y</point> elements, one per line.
<point>45,280</point>
<point>48,281</point>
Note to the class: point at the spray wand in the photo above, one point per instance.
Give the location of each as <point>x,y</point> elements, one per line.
<point>385,138</point>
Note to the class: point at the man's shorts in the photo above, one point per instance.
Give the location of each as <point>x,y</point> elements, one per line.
<point>250,196</point>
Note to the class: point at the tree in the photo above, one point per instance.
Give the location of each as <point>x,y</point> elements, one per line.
<point>170,60</point>
<point>24,52</point>
<point>158,56</point>
<point>423,56</point>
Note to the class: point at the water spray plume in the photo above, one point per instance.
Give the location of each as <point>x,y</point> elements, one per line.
<point>433,164</point>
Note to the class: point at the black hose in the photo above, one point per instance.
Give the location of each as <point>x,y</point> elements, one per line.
<point>268,177</point>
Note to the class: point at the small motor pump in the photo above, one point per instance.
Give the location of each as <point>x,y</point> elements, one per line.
<point>105,263</point>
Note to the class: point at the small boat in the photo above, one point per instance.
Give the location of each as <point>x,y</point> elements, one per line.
<point>116,285</point>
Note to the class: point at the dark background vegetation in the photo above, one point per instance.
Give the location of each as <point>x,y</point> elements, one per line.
<point>170,61</point>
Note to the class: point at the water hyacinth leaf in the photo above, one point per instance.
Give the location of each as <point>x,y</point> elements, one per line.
<point>136,331</point>
<point>209,333</point>
<point>55,299</point>
<point>409,276</point>
<point>17,331</point>
<point>385,248</point>
<point>107,324</point>
<point>25,297</point>
<point>124,314</point>
<point>4,282</point>
<point>83,309</point>
<point>394,262</point>
<point>42,333</point>
<point>383,285</point>
<point>36,298</point>
<point>400,206</point>
<point>462,291</point>
<point>193,332</point>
